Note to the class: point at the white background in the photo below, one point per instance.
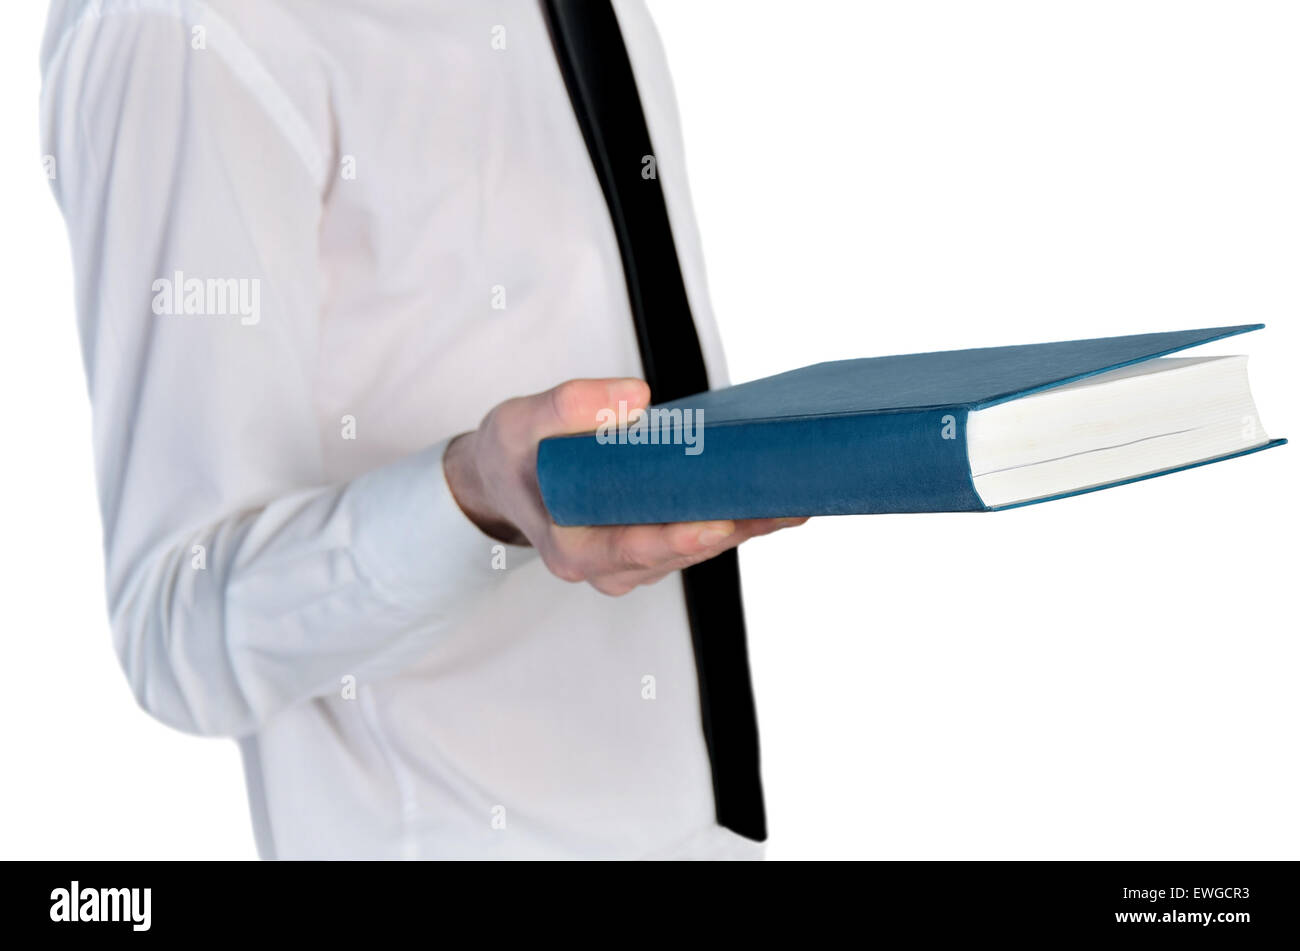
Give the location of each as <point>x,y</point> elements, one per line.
<point>1111,676</point>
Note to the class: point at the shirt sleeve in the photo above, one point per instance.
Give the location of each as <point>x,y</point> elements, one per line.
<point>238,584</point>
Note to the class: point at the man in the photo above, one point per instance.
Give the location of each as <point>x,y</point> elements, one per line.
<point>313,243</point>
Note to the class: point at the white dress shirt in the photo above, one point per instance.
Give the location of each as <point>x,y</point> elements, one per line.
<point>312,242</point>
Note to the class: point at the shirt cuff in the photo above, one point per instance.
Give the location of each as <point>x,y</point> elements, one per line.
<point>413,541</point>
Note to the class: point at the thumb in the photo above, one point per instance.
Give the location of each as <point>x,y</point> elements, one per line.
<point>577,406</point>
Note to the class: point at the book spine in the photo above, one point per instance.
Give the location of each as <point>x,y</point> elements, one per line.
<point>853,464</point>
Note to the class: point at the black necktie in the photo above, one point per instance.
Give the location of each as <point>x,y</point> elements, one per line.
<point>602,88</point>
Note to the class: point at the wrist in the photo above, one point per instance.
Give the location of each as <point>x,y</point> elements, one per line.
<point>468,488</point>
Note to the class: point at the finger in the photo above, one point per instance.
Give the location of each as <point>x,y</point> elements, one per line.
<point>577,406</point>
<point>597,551</point>
<point>623,582</point>
<point>709,545</point>
<point>754,527</point>
<point>642,557</point>
<point>687,536</point>
<point>663,548</point>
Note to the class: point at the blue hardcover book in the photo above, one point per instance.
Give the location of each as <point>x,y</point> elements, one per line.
<point>952,431</point>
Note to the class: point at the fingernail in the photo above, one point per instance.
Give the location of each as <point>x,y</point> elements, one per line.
<point>714,534</point>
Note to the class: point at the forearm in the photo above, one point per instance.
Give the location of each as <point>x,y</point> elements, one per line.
<point>222,627</point>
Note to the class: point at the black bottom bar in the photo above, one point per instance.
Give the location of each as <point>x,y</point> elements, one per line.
<point>1228,903</point>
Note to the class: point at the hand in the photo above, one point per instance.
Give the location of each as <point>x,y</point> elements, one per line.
<point>493,476</point>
